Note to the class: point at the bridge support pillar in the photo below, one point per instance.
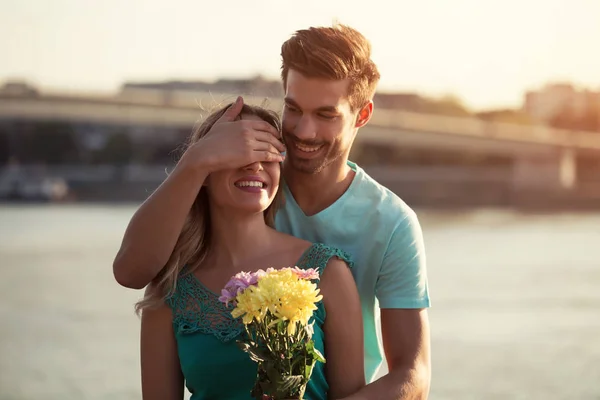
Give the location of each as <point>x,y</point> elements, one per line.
<point>548,173</point>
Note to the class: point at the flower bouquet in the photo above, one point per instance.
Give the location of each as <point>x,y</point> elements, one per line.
<point>275,306</point>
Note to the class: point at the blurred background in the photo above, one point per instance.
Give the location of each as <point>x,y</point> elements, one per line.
<point>487,123</point>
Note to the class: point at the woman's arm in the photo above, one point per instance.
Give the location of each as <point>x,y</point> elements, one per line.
<point>154,228</point>
<point>152,232</point>
<point>344,346</point>
<point>161,374</point>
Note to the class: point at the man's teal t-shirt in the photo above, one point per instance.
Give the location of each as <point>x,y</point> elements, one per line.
<point>382,235</point>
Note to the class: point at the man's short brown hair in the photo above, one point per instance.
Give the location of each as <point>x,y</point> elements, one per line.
<point>336,53</point>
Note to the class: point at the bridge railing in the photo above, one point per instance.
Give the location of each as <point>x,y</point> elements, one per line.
<point>157,106</point>
<point>403,120</point>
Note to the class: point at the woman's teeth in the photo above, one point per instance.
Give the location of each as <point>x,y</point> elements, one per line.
<point>249,183</point>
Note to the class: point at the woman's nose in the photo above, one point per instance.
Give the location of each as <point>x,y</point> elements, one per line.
<point>254,167</point>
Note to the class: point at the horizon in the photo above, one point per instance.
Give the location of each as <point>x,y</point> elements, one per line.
<point>486,55</point>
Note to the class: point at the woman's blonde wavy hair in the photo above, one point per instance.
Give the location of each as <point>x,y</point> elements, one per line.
<point>194,240</point>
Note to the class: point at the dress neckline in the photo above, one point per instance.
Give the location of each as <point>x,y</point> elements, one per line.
<point>306,253</point>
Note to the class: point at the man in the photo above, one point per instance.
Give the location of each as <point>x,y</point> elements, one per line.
<point>329,81</point>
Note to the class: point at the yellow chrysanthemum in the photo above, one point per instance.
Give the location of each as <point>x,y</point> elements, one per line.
<point>284,294</point>
<point>250,305</point>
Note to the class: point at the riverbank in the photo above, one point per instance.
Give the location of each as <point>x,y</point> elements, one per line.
<point>443,188</point>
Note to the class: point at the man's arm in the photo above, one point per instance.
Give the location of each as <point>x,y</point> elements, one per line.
<point>154,229</point>
<point>402,290</point>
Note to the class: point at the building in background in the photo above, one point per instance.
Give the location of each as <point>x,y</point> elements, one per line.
<point>562,105</point>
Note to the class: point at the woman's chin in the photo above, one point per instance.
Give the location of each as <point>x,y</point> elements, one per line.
<point>249,209</point>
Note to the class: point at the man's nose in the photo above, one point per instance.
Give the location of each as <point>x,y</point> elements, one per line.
<point>305,129</point>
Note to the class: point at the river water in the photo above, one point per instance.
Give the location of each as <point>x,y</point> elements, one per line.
<point>516,305</point>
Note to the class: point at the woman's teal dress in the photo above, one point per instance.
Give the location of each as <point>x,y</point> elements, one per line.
<point>213,366</point>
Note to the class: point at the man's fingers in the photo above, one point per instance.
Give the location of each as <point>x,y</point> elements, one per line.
<point>274,157</point>
<point>266,146</point>
<point>269,139</point>
<point>233,111</point>
<point>267,156</point>
<point>264,126</point>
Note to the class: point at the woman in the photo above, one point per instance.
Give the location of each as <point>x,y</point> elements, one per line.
<point>189,336</point>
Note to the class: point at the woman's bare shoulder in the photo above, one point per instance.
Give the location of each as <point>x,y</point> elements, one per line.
<point>291,243</point>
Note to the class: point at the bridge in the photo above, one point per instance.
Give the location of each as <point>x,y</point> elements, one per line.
<point>542,157</point>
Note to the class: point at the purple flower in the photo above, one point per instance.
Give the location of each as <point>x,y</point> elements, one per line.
<point>236,285</point>
<point>309,273</point>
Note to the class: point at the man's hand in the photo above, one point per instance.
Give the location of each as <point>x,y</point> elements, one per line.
<point>406,340</point>
<point>232,143</point>
<point>154,228</point>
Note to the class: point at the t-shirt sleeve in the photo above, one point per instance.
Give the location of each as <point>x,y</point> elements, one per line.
<point>402,280</point>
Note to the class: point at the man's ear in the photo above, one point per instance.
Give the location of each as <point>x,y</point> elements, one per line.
<point>364,115</point>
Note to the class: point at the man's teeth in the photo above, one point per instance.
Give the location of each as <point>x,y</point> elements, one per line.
<point>249,183</point>
<point>308,149</point>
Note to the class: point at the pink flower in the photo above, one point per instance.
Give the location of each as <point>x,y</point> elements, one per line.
<point>309,274</point>
<point>236,285</point>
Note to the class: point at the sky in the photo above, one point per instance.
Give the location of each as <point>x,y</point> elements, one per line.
<point>485,52</point>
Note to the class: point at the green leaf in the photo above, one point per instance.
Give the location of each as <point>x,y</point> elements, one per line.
<point>256,354</point>
<point>272,373</point>
<point>318,355</point>
<point>310,345</point>
<point>308,371</point>
<point>243,345</point>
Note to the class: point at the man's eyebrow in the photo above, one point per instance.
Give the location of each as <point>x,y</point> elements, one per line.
<point>331,109</point>
<point>292,103</point>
